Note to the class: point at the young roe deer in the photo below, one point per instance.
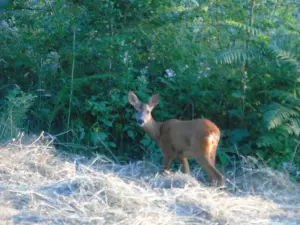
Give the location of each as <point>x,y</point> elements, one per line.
<point>181,139</point>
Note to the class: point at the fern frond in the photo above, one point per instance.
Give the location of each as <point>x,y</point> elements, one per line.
<point>284,56</point>
<point>285,47</point>
<point>267,140</point>
<point>284,95</point>
<point>236,55</point>
<point>277,114</point>
<point>287,40</point>
<point>244,27</point>
<point>293,127</point>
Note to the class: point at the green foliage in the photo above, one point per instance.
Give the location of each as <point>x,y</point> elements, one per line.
<point>13,110</point>
<point>277,114</point>
<point>236,56</point>
<point>205,59</point>
<point>244,27</point>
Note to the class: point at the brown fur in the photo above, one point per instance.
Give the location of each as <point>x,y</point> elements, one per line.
<point>180,140</point>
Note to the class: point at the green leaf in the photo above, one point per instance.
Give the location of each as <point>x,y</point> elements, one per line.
<point>224,158</point>
<point>146,141</point>
<point>107,123</point>
<point>237,94</point>
<point>238,135</point>
<point>112,144</point>
<point>131,134</point>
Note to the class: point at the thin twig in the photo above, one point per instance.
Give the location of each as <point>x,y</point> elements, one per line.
<point>72,81</point>
<point>41,135</point>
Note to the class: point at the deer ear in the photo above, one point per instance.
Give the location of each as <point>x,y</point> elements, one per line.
<point>133,99</point>
<point>154,100</point>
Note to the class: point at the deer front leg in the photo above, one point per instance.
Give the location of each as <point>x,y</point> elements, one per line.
<point>166,163</point>
<point>185,164</point>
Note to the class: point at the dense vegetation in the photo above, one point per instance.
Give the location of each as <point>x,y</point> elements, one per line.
<point>66,68</point>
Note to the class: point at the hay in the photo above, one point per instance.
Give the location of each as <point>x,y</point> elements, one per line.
<point>38,184</point>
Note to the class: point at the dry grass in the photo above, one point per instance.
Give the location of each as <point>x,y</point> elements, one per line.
<point>39,185</point>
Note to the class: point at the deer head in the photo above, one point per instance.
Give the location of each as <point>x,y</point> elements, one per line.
<point>143,111</point>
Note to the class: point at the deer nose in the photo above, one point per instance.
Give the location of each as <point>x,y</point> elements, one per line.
<point>140,121</point>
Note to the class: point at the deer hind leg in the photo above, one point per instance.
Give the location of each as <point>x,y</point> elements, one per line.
<point>214,139</point>
<point>213,155</point>
<point>185,164</point>
<point>206,159</point>
<point>216,178</point>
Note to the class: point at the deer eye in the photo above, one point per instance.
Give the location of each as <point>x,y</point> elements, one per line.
<point>147,111</point>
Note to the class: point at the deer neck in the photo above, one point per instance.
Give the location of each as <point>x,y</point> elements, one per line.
<point>152,128</point>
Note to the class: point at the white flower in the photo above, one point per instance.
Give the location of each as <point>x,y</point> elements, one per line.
<point>144,71</point>
<point>4,25</point>
<point>170,73</point>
